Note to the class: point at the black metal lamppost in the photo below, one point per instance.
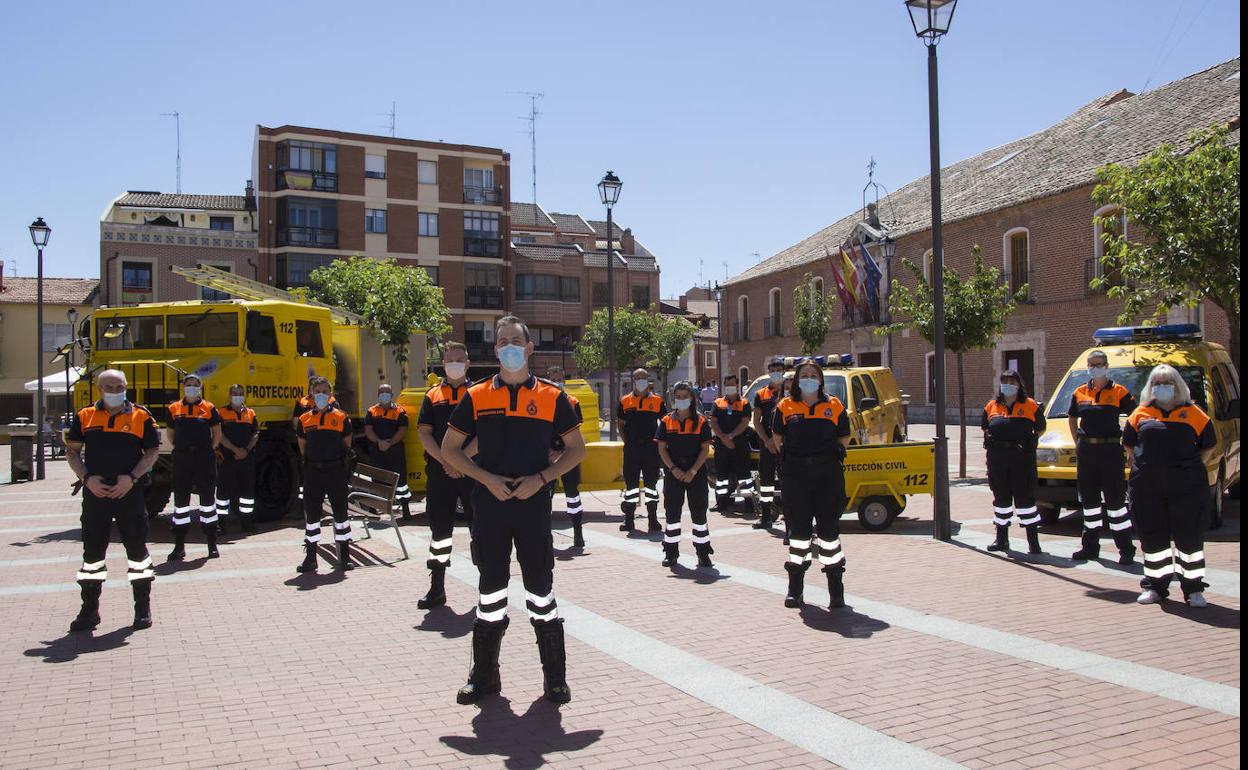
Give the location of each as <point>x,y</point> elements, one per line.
<point>609,193</point>
<point>931,20</point>
<point>39,234</point>
<point>888,250</point>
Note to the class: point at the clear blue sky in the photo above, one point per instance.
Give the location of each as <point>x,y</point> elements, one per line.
<point>736,126</point>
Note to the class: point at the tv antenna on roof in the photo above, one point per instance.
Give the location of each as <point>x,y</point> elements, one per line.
<point>177,122</point>
<point>532,118</point>
<point>391,115</point>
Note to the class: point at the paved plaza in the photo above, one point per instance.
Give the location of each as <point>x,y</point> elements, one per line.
<point>946,655</point>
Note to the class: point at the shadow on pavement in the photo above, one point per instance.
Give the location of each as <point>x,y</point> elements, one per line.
<point>1214,615</point>
<point>70,646</point>
<point>447,622</point>
<point>328,574</point>
<point>521,740</point>
<point>703,576</point>
<point>68,535</point>
<point>844,621</point>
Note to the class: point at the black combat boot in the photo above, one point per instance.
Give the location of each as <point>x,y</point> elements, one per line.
<point>627,524</point>
<point>89,616</point>
<point>1033,539</point>
<point>797,584</point>
<point>836,586</point>
<point>179,542</point>
<point>210,536</point>
<point>437,587</point>
<point>142,590</point>
<point>1091,549</point>
<point>483,678</point>
<point>344,556</point>
<point>554,659</point>
<point>671,554</point>
<point>578,535</point>
<point>1126,549</point>
<point>407,509</point>
<point>248,521</point>
<point>309,558</point>
<point>704,552</point>
<point>653,524</point>
<point>1002,542</point>
<point>764,520</point>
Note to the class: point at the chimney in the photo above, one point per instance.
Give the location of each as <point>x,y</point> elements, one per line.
<point>249,197</point>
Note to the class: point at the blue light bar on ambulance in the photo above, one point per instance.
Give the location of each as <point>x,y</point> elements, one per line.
<point>1167,332</point>
<point>831,359</point>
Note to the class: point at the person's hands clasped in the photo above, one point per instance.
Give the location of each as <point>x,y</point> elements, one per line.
<point>500,486</point>
<point>123,486</point>
<point>96,486</point>
<point>528,486</point>
<point>240,453</point>
<point>728,442</point>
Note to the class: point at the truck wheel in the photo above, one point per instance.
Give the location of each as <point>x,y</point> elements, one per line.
<point>277,480</point>
<point>157,496</point>
<point>1049,514</point>
<point>876,514</point>
<point>1216,500</point>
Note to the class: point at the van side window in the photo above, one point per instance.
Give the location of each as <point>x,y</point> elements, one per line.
<point>871,391</point>
<point>308,339</point>
<point>859,393</point>
<point>261,333</point>
<point>1221,393</point>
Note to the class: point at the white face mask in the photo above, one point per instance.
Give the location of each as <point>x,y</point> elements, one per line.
<point>236,401</point>
<point>641,385</point>
<point>456,370</point>
<point>1098,372</point>
<point>192,392</point>
<point>682,403</point>
<point>730,390</point>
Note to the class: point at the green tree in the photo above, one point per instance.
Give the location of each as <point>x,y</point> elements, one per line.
<point>812,314</point>
<point>633,332</point>
<point>395,301</point>
<point>975,312</point>
<point>669,342</point>
<point>1188,206</point>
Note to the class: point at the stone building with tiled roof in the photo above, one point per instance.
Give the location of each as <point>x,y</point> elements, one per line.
<point>559,277</point>
<point>1028,205</point>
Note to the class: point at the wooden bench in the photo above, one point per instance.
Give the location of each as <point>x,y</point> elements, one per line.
<point>371,496</point>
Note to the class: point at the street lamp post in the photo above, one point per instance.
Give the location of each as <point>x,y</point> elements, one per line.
<point>39,234</point>
<point>888,250</point>
<point>931,20</point>
<point>609,192</point>
<point>72,316</point>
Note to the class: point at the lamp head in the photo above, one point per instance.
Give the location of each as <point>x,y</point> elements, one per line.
<point>40,232</point>
<point>931,18</point>
<point>609,189</point>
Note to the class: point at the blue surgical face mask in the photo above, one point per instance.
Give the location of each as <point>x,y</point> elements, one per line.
<point>321,400</point>
<point>511,357</point>
<point>730,390</point>
<point>1163,393</point>
<point>641,385</point>
<point>193,391</point>
<point>1009,389</point>
<point>1098,372</point>
<point>385,398</point>
<point>236,401</point>
<point>808,385</point>
<point>682,403</point>
<point>775,377</point>
<point>114,400</point>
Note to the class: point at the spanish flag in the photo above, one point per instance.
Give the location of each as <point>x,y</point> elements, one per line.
<point>850,273</point>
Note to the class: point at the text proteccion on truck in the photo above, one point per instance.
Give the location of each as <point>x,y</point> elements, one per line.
<point>269,340</point>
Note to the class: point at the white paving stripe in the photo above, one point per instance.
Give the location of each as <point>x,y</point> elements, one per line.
<point>33,500</point>
<point>28,530</point>
<point>118,553</point>
<point>198,576</point>
<point>33,516</point>
<point>1154,681</point>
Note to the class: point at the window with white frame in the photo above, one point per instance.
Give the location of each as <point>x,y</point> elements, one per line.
<point>1108,221</point>
<point>374,220</point>
<point>1016,244</point>
<point>427,225</point>
<point>375,166</point>
<point>708,359</point>
<point>481,178</point>
<point>929,366</point>
<point>773,313</point>
<point>54,336</point>
<point>743,377</point>
<point>426,172</point>
<point>927,265</point>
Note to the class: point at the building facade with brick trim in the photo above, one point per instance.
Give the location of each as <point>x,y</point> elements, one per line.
<point>1028,206</point>
<point>444,207</point>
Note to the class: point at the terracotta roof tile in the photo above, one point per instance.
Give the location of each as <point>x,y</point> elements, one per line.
<point>56,291</point>
<point>159,200</point>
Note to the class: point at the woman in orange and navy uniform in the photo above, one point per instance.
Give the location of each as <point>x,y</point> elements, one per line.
<point>324,437</point>
<point>236,484</point>
<point>1170,439</point>
<point>385,426</point>
<point>811,430</point>
<point>196,434</point>
<point>684,441</point>
<point>1012,424</point>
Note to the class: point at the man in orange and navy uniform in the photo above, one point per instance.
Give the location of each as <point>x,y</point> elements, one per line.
<point>637,416</point>
<point>324,441</point>
<point>444,486</point>
<point>306,404</point>
<point>730,419</point>
<point>1012,424</point>
<point>764,406</point>
<point>515,418</point>
<point>121,441</point>
<point>385,426</point>
<point>196,433</point>
<point>236,478</point>
<point>1101,473</point>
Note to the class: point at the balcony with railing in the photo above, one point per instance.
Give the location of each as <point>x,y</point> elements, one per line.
<point>307,237</point>
<point>306,179</point>
<point>1015,281</point>
<point>1093,269</point>
<point>483,246</point>
<point>772,326</point>
<point>484,297</point>
<point>177,236</point>
<point>740,331</point>
<point>482,196</point>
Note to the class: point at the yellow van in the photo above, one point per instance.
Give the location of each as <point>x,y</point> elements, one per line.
<point>1133,351</point>
<point>869,393</point>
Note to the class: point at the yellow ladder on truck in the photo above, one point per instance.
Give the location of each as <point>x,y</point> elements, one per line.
<point>248,289</point>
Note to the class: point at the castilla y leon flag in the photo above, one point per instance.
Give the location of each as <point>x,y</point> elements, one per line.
<point>851,279</point>
<point>840,279</point>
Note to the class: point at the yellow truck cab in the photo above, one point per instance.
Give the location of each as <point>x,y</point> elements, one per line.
<point>1133,351</point>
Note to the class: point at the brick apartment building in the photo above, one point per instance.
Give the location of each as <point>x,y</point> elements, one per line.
<point>143,234</point>
<point>559,263</point>
<point>700,307</point>
<point>1028,205</point>
<point>443,207</point>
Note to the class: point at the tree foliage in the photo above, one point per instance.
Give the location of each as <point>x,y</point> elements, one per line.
<point>976,309</point>
<point>672,337</point>
<point>1187,204</point>
<point>395,301</point>
<point>812,314</point>
<point>642,338</point>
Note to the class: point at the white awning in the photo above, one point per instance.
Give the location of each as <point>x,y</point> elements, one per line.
<point>55,383</point>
